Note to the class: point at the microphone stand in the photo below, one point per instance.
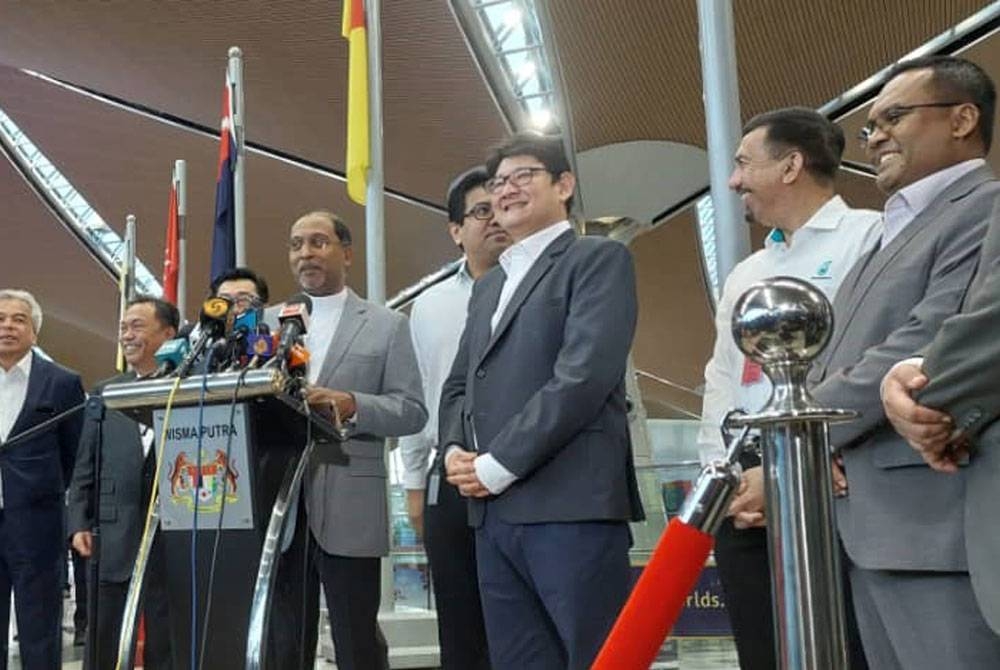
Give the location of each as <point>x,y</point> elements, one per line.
<point>95,412</point>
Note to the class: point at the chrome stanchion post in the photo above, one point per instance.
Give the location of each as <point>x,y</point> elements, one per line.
<point>783,323</point>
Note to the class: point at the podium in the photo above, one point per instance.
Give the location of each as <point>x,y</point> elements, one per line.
<point>233,461</point>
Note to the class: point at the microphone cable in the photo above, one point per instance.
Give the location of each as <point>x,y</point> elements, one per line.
<point>194,519</point>
<point>218,526</point>
<point>308,543</point>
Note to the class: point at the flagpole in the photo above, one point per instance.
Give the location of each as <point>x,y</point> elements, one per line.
<point>180,185</point>
<point>239,194</point>
<point>126,282</point>
<point>375,196</point>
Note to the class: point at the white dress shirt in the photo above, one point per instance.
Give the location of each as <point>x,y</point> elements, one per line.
<point>516,260</point>
<point>437,320</point>
<point>822,252</point>
<point>13,391</point>
<point>905,204</point>
<point>323,322</point>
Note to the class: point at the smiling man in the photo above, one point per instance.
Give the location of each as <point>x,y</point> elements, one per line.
<point>34,474</point>
<point>534,423</point>
<point>128,465</point>
<point>902,524</point>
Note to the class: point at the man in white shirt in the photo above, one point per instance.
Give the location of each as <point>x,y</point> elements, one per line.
<point>903,525</point>
<point>534,423</point>
<point>34,473</point>
<point>436,322</point>
<point>785,169</point>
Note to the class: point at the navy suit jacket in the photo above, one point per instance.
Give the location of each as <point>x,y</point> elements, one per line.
<point>37,471</point>
<point>545,392</point>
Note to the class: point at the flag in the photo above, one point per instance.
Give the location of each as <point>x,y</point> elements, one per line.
<point>171,252</point>
<point>357,99</point>
<point>224,234</point>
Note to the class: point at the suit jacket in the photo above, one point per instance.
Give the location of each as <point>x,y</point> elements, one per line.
<point>900,514</point>
<point>372,357</point>
<point>37,471</point>
<point>962,365</point>
<point>545,392</point>
<point>126,483</point>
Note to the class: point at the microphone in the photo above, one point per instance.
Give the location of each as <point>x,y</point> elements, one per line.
<point>215,319</point>
<point>170,354</point>
<point>233,350</point>
<point>294,320</point>
<point>261,345</point>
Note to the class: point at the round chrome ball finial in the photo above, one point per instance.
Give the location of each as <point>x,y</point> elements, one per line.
<point>782,320</point>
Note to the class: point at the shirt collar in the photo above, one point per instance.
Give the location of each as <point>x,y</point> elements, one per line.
<point>827,217</point>
<point>330,302</point>
<point>918,195</point>
<point>24,365</point>
<point>463,275</point>
<point>533,245</point>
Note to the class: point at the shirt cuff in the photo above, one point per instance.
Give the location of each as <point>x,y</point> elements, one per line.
<point>495,477</point>
<point>414,480</point>
<point>914,360</point>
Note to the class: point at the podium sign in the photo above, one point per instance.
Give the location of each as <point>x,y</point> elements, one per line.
<point>224,460</point>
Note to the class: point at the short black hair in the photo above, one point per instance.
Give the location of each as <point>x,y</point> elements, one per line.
<point>340,228</point>
<point>548,149</point>
<point>460,187</point>
<point>165,312</point>
<point>958,79</point>
<point>235,274</point>
<point>820,141</point>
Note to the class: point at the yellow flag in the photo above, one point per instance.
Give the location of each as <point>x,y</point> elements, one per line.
<point>357,99</point>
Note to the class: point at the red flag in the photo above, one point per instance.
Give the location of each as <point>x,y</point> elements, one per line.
<point>171,253</point>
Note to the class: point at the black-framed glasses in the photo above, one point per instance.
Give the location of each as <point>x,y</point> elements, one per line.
<point>518,177</point>
<point>481,211</point>
<point>892,115</point>
<point>241,299</point>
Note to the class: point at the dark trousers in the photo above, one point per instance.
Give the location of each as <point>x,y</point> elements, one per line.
<point>80,591</point>
<point>550,591</point>
<point>451,552</point>
<point>353,587</point>
<point>32,564</point>
<point>745,572</point>
<point>111,598</point>
<point>293,621</point>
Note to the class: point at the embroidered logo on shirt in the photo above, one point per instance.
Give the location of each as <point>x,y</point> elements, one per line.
<point>823,271</point>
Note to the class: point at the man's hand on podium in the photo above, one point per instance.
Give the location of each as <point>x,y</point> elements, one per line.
<point>83,542</point>
<point>341,403</point>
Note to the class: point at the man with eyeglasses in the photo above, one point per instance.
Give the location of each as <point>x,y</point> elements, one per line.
<point>533,420</point>
<point>785,169</point>
<point>362,369</point>
<point>436,321</point>
<point>902,524</point>
<point>243,287</point>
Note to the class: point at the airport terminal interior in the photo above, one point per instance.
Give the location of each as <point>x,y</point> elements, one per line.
<point>99,99</point>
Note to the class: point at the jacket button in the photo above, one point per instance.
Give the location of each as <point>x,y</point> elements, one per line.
<point>480,373</point>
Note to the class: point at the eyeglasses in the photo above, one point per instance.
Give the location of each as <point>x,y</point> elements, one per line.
<point>892,116</point>
<point>520,177</point>
<point>317,242</point>
<point>241,299</point>
<point>482,211</point>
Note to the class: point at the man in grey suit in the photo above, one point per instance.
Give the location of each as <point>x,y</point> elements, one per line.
<point>955,424</point>
<point>128,464</point>
<point>362,370</point>
<point>534,423</point>
<point>901,523</point>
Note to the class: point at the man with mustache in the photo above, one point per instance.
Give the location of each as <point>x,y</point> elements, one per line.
<point>785,169</point>
<point>903,524</point>
<point>437,320</point>
<point>362,369</point>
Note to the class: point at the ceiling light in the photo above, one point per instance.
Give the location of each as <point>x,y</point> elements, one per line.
<point>541,117</point>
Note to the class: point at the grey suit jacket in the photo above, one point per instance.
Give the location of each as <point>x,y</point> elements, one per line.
<point>372,357</point>
<point>963,364</point>
<point>126,482</point>
<point>899,514</point>
<point>544,393</point>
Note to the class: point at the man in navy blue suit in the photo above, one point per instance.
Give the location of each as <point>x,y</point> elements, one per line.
<point>534,424</point>
<point>35,474</point>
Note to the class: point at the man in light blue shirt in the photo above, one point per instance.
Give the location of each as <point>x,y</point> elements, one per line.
<point>436,323</point>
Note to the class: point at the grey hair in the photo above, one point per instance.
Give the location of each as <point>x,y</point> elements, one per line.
<point>27,298</point>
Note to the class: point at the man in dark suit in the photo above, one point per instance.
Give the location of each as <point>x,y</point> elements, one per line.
<point>362,370</point>
<point>533,419</point>
<point>955,425</point>
<point>128,465</point>
<point>901,523</point>
<point>35,473</point>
